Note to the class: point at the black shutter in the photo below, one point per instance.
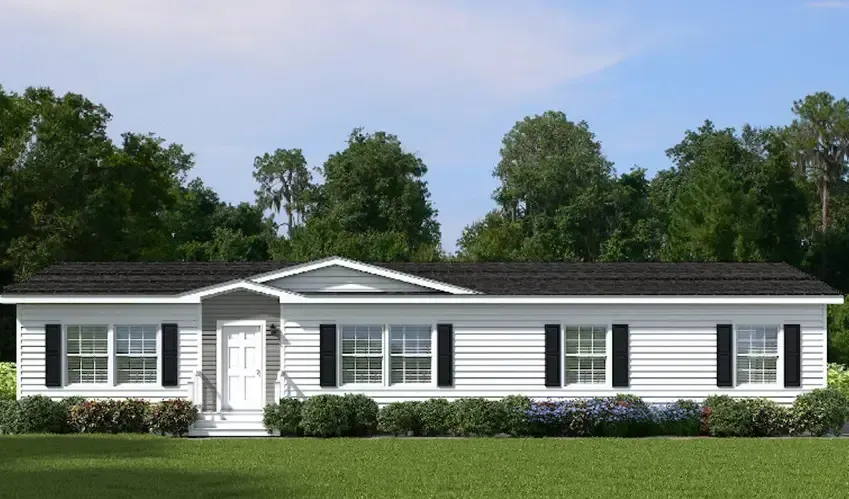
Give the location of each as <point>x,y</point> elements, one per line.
<point>52,355</point>
<point>170,355</point>
<point>445,355</point>
<point>792,355</point>
<point>552,355</point>
<point>327,355</point>
<point>620,356</point>
<point>724,360</point>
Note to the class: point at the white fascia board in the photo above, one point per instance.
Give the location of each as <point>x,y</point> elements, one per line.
<point>574,300</point>
<point>94,299</point>
<point>366,268</point>
<point>190,297</point>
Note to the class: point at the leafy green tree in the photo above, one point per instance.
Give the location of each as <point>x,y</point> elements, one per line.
<point>555,186</point>
<point>820,138</point>
<point>284,183</point>
<point>637,230</point>
<point>374,204</point>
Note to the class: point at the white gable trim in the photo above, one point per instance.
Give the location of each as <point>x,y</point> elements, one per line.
<point>366,268</point>
<point>218,289</point>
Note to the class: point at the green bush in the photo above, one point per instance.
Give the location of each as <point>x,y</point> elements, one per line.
<point>8,381</point>
<point>362,415</point>
<point>434,417</point>
<point>477,416</point>
<point>8,416</point>
<point>768,418</point>
<point>173,417</point>
<point>515,417</point>
<point>838,378</point>
<point>38,414</point>
<point>67,403</point>
<point>284,417</point>
<point>399,418</point>
<point>728,417</point>
<point>820,412</point>
<point>325,416</point>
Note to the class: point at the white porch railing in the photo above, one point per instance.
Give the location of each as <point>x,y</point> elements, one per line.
<point>196,388</point>
<point>279,386</point>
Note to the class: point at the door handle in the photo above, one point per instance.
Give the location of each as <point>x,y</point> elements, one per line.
<point>257,372</point>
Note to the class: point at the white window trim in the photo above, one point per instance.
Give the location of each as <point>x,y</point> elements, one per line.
<point>112,374</point>
<point>608,361</point>
<point>109,356</point>
<point>779,368</point>
<point>158,354</point>
<point>385,364</point>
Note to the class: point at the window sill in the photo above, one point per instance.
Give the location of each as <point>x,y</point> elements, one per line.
<point>117,388</point>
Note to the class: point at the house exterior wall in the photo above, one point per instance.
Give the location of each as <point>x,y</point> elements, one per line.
<point>499,349</point>
<point>31,346</point>
<point>238,305</point>
<point>337,279</point>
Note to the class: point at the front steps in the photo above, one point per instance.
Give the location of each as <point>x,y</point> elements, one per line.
<point>229,424</point>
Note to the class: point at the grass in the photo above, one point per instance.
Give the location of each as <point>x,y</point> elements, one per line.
<point>140,466</point>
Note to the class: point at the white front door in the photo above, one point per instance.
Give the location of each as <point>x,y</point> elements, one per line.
<point>243,367</point>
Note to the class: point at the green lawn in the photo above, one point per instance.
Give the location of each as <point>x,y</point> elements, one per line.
<point>106,467</point>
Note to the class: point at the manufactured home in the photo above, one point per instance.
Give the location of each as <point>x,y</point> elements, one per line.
<point>233,337</point>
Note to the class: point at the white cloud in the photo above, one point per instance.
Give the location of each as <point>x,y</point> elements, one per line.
<point>439,46</point>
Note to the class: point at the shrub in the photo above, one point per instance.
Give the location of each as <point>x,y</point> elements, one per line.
<point>92,416</point>
<point>515,417</point>
<point>434,417</point>
<point>362,415</point>
<point>768,418</point>
<point>547,418</point>
<point>838,378</point>
<point>284,417</point>
<point>38,414</point>
<point>173,417</point>
<point>680,418</point>
<point>728,417</point>
<point>8,381</point>
<point>477,416</point>
<point>820,412</point>
<point>8,416</point>
<point>399,418</point>
<point>325,416</point>
<point>704,421</point>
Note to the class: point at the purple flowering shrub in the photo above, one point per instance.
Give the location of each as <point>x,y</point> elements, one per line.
<point>612,417</point>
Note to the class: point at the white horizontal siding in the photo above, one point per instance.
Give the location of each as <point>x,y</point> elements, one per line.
<point>499,350</point>
<point>337,279</point>
<point>31,365</point>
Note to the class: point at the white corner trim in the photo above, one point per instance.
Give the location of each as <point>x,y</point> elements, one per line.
<point>366,268</point>
<point>242,285</point>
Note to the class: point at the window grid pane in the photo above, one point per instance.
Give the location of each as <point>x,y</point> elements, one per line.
<point>586,354</point>
<point>87,350</point>
<point>410,354</point>
<point>757,354</point>
<point>362,354</point>
<point>135,347</point>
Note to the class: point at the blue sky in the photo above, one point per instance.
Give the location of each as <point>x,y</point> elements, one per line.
<point>233,79</point>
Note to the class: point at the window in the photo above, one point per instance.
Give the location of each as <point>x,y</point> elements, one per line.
<point>362,354</point>
<point>757,354</point>
<point>586,354</point>
<point>87,351</point>
<point>409,354</point>
<point>135,353</point>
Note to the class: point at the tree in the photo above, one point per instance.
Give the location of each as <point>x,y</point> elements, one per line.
<point>374,204</point>
<point>820,137</point>
<point>637,230</point>
<point>284,182</point>
<point>556,185</point>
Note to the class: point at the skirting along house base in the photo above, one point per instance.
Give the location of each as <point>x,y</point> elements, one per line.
<point>233,337</point>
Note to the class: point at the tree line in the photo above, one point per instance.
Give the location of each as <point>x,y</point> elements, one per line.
<point>777,193</point>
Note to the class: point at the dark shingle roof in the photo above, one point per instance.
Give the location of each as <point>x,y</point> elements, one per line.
<point>554,278</point>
